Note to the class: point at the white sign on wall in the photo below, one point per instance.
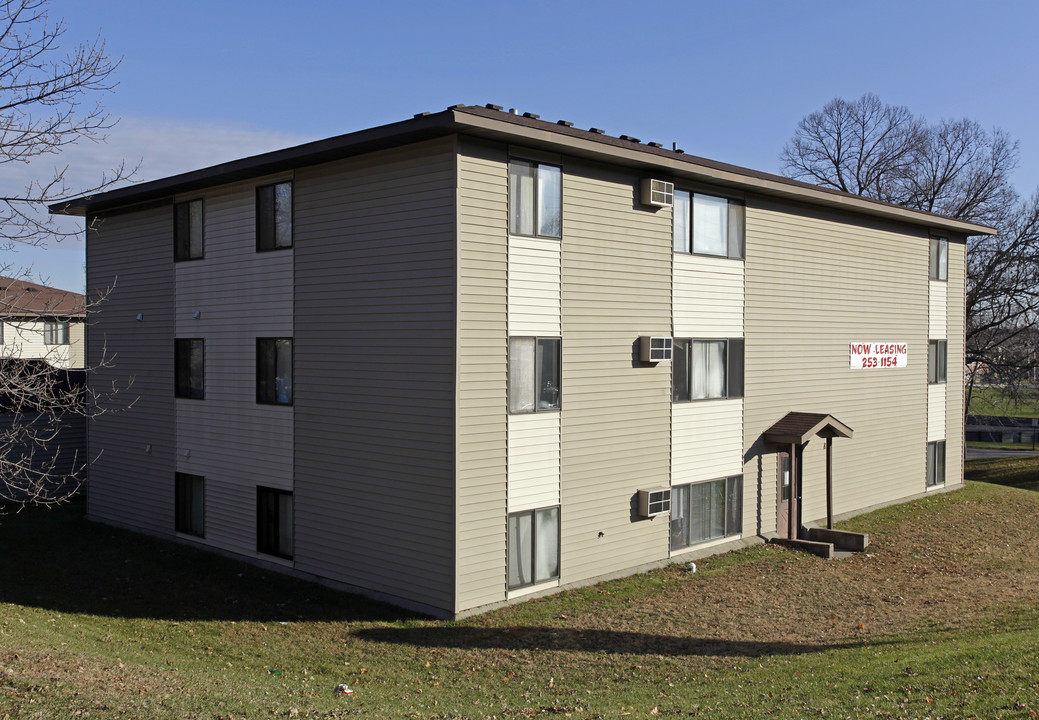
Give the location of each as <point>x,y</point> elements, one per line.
<point>866,356</point>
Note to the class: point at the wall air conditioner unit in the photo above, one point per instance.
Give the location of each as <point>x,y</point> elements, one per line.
<point>658,193</point>
<point>655,349</point>
<point>654,502</point>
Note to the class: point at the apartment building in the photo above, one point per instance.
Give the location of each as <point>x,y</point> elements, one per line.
<point>475,356</point>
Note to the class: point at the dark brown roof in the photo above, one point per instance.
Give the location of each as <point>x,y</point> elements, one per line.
<point>799,427</point>
<point>528,129</point>
<point>21,298</point>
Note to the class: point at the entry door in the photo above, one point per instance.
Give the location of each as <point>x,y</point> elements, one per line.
<point>783,508</point>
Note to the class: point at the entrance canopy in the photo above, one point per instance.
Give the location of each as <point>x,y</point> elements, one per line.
<point>797,428</point>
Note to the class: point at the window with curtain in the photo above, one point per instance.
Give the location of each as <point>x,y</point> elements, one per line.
<point>188,238</point>
<point>935,463</point>
<point>535,199</point>
<point>55,332</point>
<point>274,371</point>
<point>533,547</point>
<point>939,260</point>
<point>937,360</point>
<point>274,216</point>
<point>708,225</point>
<point>706,511</point>
<point>189,504</point>
<point>189,362</point>
<point>534,374</point>
<point>706,369</point>
<point>274,522</point>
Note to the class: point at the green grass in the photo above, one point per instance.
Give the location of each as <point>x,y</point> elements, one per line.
<point>1001,445</point>
<point>99,622</point>
<point>992,401</point>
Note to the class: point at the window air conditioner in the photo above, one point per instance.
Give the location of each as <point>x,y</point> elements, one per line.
<point>655,349</point>
<point>654,502</point>
<point>658,193</point>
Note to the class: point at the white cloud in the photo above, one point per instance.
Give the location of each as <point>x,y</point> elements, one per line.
<point>160,148</point>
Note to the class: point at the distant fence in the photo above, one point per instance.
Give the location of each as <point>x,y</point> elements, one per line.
<point>1001,429</point>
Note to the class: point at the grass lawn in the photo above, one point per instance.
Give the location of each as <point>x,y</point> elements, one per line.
<point>939,619</point>
<point>990,401</point>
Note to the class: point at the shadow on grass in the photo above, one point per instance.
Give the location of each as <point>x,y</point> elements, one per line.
<point>614,642</point>
<point>56,559</point>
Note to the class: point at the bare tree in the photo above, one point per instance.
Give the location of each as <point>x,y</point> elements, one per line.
<point>50,97</point>
<point>954,168</point>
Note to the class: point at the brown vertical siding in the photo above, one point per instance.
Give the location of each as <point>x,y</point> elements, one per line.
<point>375,363</point>
<point>816,282</point>
<point>482,373</point>
<point>615,435</point>
<point>132,256</point>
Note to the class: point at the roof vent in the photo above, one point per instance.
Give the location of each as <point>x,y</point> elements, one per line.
<point>489,106</point>
<point>565,123</point>
<point>656,145</point>
<point>597,131</point>
<point>532,116</point>
<point>629,138</point>
<point>421,114</point>
<point>513,111</point>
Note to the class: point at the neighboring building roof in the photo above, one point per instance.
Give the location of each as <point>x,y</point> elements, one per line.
<point>21,298</point>
<point>492,122</point>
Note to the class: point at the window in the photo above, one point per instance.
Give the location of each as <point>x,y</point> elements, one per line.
<point>190,504</point>
<point>55,332</point>
<point>939,258</point>
<point>187,230</point>
<point>274,522</point>
<point>274,371</point>
<point>937,360</point>
<point>189,359</point>
<point>936,463</point>
<point>706,369</point>
<point>274,216</point>
<point>533,547</point>
<point>534,374</point>
<point>535,199</point>
<point>706,511</point>
<point>708,225</point>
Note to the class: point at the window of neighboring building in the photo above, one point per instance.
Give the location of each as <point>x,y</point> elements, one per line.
<point>274,522</point>
<point>937,360</point>
<point>939,258</point>
<point>55,332</point>
<point>274,216</point>
<point>706,369</point>
<point>534,374</point>
<point>533,547</point>
<point>190,504</point>
<point>936,463</point>
<point>535,199</point>
<point>189,360</point>
<point>706,511</point>
<point>188,230</point>
<point>708,225</point>
<point>274,371</point>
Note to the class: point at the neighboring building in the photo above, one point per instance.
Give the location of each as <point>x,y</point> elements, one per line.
<point>40,322</point>
<point>408,360</point>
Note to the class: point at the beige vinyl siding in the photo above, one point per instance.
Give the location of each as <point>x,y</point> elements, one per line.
<point>936,415</point>
<point>482,352</point>
<point>816,282</point>
<point>131,256</point>
<point>616,417</point>
<point>938,314</point>
<point>533,461</point>
<point>707,440</point>
<point>26,339</point>
<point>708,296</point>
<point>954,418</point>
<point>533,287</point>
<point>374,386</point>
<point>239,295</point>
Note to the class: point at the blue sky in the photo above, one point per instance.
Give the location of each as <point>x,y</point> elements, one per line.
<point>204,82</point>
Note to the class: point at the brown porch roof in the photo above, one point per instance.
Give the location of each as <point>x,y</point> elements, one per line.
<point>799,427</point>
